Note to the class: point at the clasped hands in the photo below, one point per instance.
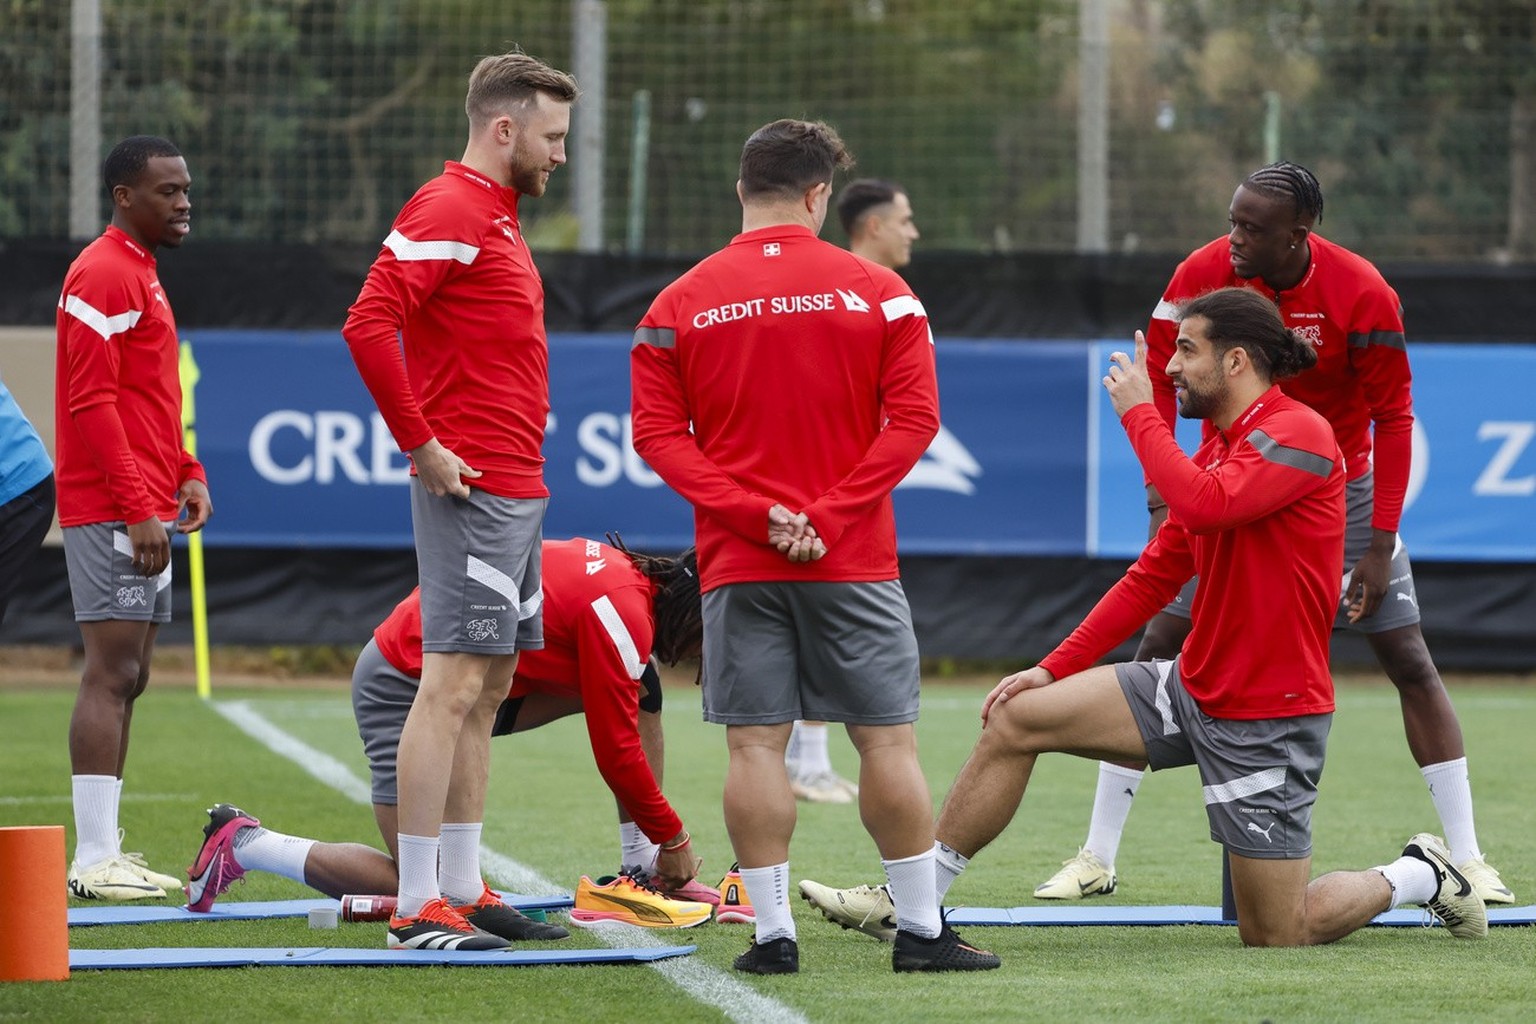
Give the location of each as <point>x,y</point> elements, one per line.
<point>793,535</point>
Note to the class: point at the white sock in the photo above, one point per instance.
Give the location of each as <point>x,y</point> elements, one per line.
<point>418,872</point>
<point>95,802</point>
<point>1451,790</point>
<point>1111,806</point>
<point>948,865</point>
<point>261,849</point>
<point>812,748</point>
<point>458,872</point>
<point>913,888</point>
<point>117,807</point>
<point>1412,880</point>
<point>768,889</point>
<point>635,849</point>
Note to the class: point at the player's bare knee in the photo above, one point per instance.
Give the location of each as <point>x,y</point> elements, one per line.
<point>1414,672</point>
<point>1010,730</point>
<point>1405,658</point>
<point>457,702</point>
<point>1274,934</point>
<point>121,677</point>
<point>1259,938</point>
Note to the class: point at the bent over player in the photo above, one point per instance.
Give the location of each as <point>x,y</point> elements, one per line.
<point>607,614</point>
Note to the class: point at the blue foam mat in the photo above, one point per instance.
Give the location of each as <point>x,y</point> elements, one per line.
<point>1099,914</point>
<point>80,917</point>
<point>320,956</point>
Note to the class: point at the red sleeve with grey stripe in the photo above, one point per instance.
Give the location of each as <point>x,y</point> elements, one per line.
<point>1261,510</point>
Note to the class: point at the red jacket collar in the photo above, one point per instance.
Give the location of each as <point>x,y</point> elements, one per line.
<point>126,242</point>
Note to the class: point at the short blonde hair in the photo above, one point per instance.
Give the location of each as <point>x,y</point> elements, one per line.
<point>508,80</point>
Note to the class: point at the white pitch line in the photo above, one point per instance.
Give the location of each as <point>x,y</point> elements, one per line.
<point>707,985</point>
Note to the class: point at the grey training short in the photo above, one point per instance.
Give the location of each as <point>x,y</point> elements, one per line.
<point>824,652</point>
<point>103,583</point>
<point>479,564</point>
<point>382,697</point>
<point>1400,604</point>
<point>381,700</point>
<point>1259,776</point>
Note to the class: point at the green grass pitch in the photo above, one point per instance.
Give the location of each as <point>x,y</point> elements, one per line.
<point>549,811</point>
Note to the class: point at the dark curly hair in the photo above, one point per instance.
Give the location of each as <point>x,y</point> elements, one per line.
<point>679,617</point>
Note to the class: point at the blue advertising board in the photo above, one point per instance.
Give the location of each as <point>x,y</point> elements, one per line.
<point>1471,494</point>
<point>1030,459</point>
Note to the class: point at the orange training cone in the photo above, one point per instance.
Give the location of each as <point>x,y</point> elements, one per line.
<point>32,873</point>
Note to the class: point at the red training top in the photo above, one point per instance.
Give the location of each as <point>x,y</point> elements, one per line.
<point>784,369</point>
<point>1361,383</point>
<point>117,392</point>
<point>1258,514</point>
<point>598,631</point>
<point>455,280</point>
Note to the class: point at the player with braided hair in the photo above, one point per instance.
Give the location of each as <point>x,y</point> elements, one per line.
<point>679,620</point>
<point>1340,303</point>
<point>609,615</point>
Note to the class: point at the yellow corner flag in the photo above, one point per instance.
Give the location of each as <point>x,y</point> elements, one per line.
<point>189,377</point>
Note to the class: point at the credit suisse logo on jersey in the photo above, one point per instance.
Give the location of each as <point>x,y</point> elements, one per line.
<point>777,305</point>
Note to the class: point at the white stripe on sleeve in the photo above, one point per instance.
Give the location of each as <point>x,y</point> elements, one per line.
<point>1166,311</point>
<point>609,616</point>
<point>96,320</point>
<point>406,250</point>
<point>902,305</point>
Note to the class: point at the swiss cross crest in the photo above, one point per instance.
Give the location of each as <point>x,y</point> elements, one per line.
<point>771,248</point>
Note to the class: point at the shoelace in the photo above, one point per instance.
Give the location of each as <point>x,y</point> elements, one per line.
<point>644,882</point>
<point>438,912</point>
<point>875,905</point>
<point>650,883</point>
<point>132,858</point>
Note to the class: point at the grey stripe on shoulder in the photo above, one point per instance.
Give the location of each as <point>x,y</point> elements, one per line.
<point>1391,339</point>
<point>1296,458</point>
<point>661,337</point>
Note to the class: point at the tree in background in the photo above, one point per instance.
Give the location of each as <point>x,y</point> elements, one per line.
<point>311,120</point>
